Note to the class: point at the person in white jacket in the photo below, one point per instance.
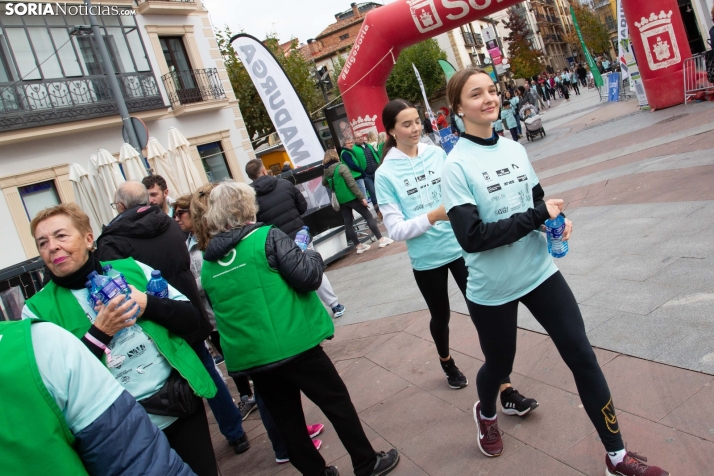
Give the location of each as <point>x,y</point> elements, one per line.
<point>408,185</point>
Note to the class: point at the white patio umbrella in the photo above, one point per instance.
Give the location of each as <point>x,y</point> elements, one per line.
<point>132,163</point>
<point>109,172</point>
<point>85,196</point>
<point>104,200</point>
<point>159,161</point>
<point>187,174</point>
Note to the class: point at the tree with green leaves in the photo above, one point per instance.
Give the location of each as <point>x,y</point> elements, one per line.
<point>299,70</point>
<point>402,82</point>
<point>524,59</point>
<point>593,29</point>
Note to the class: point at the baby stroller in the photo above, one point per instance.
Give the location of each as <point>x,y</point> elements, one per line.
<point>533,122</point>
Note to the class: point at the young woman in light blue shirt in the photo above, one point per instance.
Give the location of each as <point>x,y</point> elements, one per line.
<point>408,185</point>
<point>496,206</point>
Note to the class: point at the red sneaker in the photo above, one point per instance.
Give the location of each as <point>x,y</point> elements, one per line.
<point>314,430</point>
<point>317,443</point>
<point>633,465</point>
<point>489,436</point>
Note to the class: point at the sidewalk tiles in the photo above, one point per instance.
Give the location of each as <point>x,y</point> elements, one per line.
<point>391,369</point>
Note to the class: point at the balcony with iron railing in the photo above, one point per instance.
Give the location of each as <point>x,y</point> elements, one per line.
<point>193,86</point>
<point>26,104</point>
<point>165,7</point>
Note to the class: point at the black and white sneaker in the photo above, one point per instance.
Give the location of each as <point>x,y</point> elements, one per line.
<point>454,376</point>
<point>513,403</point>
<point>386,462</point>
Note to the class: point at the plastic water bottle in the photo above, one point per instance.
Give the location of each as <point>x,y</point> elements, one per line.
<point>117,277</point>
<point>104,287</point>
<point>157,286</point>
<point>91,298</point>
<point>555,227</point>
<point>302,239</point>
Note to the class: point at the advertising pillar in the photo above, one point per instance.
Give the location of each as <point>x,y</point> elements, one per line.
<point>660,43</point>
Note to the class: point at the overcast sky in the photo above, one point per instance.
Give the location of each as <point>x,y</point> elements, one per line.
<point>301,19</point>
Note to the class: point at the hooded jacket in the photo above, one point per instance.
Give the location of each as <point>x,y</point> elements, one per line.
<point>280,204</point>
<point>147,234</point>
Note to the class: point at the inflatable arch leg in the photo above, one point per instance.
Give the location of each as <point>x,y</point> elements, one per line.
<point>656,28</point>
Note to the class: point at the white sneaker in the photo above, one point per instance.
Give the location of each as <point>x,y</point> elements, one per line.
<point>362,248</point>
<point>384,241</point>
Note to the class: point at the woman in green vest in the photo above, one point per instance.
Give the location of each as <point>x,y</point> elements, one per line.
<point>271,321</point>
<point>145,353</point>
<point>338,179</point>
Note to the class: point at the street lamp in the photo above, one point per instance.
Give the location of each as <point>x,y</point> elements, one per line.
<point>93,30</point>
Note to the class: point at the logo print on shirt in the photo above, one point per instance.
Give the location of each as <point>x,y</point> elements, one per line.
<point>232,254</point>
<point>509,182</point>
<point>515,166</point>
<point>420,178</point>
<point>502,211</point>
<point>522,178</point>
<point>406,182</point>
<point>412,191</point>
<point>435,181</point>
<point>136,351</point>
<point>418,207</point>
<point>486,176</point>
<point>503,172</point>
<point>494,188</point>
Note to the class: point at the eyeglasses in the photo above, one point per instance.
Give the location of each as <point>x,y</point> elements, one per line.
<point>115,205</point>
<point>178,213</point>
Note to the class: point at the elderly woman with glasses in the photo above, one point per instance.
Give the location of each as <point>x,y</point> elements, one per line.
<point>271,321</point>
<point>140,339</point>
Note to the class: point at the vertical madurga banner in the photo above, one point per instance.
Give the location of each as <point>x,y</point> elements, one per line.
<point>286,111</point>
<point>628,64</point>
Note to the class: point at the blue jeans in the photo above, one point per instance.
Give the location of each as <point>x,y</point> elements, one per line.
<point>273,433</point>
<point>227,414</point>
<point>369,183</point>
<point>518,123</point>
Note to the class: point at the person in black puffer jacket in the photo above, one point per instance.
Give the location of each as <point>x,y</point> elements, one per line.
<point>280,203</point>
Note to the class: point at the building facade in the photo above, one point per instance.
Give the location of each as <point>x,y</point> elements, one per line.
<point>56,107</point>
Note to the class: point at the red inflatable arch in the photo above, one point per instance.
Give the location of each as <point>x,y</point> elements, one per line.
<point>386,31</point>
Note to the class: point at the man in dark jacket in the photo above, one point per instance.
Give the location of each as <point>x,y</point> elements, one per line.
<point>281,204</point>
<point>149,235</point>
<point>372,161</point>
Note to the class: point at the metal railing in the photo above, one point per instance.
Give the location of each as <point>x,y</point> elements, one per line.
<point>193,85</point>
<point>696,80</point>
<point>53,101</point>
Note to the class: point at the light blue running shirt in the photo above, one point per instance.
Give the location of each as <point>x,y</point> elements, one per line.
<point>415,186</point>
<point>499,180</point>
<point>135,361</point>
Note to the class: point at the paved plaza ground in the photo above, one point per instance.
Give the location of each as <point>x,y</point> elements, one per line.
<point>639,188</point>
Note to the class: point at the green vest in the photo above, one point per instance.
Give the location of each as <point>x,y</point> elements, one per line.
<point>338,185</point>
<point>58,305</point>
<point>261,319</point>
<point>34,437</point>
<point>358,158</point>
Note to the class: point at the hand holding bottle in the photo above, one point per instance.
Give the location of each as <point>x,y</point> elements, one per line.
<point>555,206</point>
<point>118,314</point>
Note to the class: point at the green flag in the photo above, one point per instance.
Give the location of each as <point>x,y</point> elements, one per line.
<point>593,67</point>
<point>449,70</point>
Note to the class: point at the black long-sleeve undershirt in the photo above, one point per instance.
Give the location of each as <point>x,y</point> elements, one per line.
<point>475,235</point>
<point>179,317</point>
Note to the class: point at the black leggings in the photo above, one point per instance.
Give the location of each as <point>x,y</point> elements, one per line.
<point>554,307</point>
<point>190,438</point>
<point>346,209</point>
